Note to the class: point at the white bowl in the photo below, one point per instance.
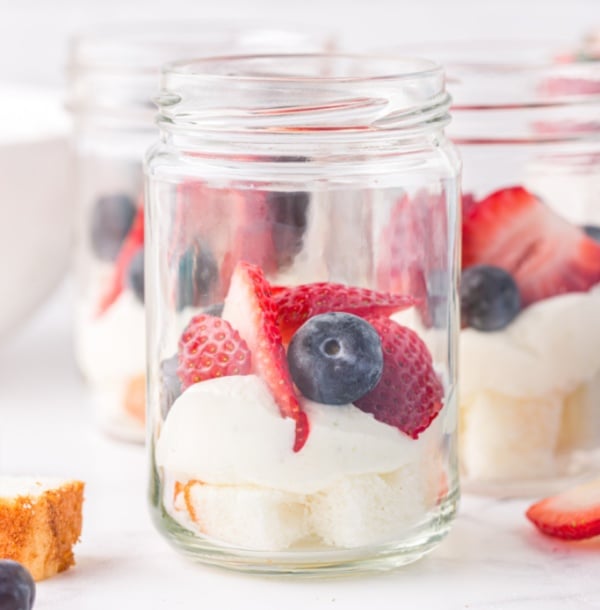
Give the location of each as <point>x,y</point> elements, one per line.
<point>36,206</point>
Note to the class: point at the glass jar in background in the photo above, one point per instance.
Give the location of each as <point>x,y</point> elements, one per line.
<point>302,307</point>
<point>113,74</point>
<point>528,130</point>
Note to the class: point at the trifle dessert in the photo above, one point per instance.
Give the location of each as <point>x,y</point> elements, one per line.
<point>301,371</point>
<point>114,73</point>
<point>527,126</point>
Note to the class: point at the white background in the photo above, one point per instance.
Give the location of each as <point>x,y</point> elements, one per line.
<point>34,33</point>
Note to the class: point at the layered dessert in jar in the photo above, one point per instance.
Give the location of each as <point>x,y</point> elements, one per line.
<point>527,126</point>
<point>114,72</point>
<point>297,415</point>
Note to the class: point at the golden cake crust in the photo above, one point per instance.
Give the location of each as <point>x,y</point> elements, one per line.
<point>39,531</point>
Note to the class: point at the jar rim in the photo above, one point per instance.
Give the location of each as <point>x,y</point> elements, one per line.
<point>146,45</point>
<point>209,68</point>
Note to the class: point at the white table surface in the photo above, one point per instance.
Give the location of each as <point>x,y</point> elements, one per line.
<point>493,559</point>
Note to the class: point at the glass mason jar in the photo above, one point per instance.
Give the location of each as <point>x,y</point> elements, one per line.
<point>113,74</point>
<point>301,281</point>
<point>528,130</point>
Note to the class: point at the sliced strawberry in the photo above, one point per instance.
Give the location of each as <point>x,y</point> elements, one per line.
<point>413,250</point>
<point>250,308</point>
<point>296,304</point>
<point>209,347</point>
<point>546,255</point>
<point>251,239</point>
<point>131,245</point>
<point>409,394</point>
<point>571,515</point>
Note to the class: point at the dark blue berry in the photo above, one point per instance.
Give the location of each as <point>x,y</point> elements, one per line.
<point>489,298</point>
<point>335,358</point>
<point>170,385</point>
<point>135,274</point>
<point>289,215</point>
<point>112,217</point>
<point>215,310</point>
<point>593,232</point>
<point>198,274</point>
<point>17,589</point>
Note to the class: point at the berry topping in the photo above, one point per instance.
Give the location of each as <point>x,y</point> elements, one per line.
<point>133,242</point>
<point>571,515</point>
<point>208,348</point>
<point>17,588</point>
<point>111,220</point>
<point>135,274</point>
<point>592,231</point>
<point>170,386</point>
<point>409,394</point>
<point>197,276</point>
<point>545,254</point>
<point>413,252</point>
<point>335,358</point>
<point>489,298</point>
<point>250,307</point>
<point>296,304</point>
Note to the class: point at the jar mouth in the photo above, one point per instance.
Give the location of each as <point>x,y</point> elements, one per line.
<point>145,46</point>
<point>504,74</point>
<point>302,93</point>
<point>305,67</point>
<point>114,69</point>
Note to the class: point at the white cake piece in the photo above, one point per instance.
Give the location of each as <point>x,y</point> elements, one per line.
<point>504,437</point>
<point>250,517</point>
<point>368,509</point>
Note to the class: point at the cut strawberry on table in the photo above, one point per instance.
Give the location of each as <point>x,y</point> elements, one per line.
<point>571,515</point>
<point>208,348</point>
<point>131,245</point>
<point>409,394</point>
<point>296,304</point>
<point>250,309</point>
<point>547,256</point>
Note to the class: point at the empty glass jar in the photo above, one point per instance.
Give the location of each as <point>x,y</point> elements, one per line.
<point>302,263</point>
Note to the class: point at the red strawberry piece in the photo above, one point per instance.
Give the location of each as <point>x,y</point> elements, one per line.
<point>546,255</point>
<point>251,239</point>
<point>296,304</point>
<point>409,394</point>
<point>414,248</point>
<point>250,308</point>
<point>131,245</point>
<point>209,347</point>
<point>571,515</point>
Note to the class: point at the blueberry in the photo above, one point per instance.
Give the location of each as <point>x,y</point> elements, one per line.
<point>112,217</point>
<point>489,298</point>
<point>592,231</point>
<point>289,214</point>
<point>135,274</point>
<point>215,310</point>
<point>335,358</point>
<point>17,589</point>
<point>198,275</point>
<point>170,385</point>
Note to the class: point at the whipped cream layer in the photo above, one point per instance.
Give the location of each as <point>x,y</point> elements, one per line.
<point>113,346</point>
<point>551,347</point>
<point>229,431</point>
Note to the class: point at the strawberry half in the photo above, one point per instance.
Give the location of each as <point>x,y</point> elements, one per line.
<point>209,347</point>
<point>409,394</point>
<point>132,243</point>
<point>296,304</point>
<point>571,515</point>
<point>250,308</point>
<point>546,255</point>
